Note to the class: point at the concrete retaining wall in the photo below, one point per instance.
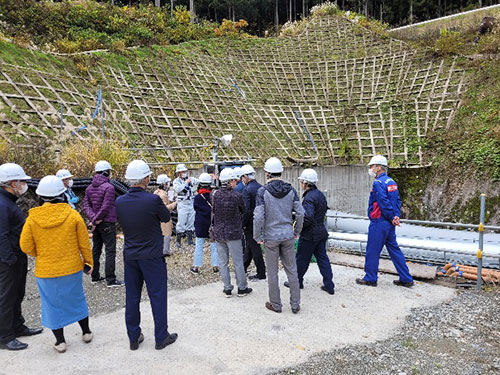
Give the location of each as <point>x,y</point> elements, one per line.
<point>346,187</point>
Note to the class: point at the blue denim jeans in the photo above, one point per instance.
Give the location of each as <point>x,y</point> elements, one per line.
<point>198,253</point>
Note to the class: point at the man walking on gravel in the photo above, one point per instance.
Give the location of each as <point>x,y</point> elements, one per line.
<point>273,225</point>
<point>99,206</point>
<point>384,208</point>
<point>140,214</point>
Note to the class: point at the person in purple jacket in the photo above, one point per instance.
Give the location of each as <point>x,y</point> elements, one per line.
<point>99,206</point>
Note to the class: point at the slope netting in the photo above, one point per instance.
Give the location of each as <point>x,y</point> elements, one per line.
<point>336,93</point>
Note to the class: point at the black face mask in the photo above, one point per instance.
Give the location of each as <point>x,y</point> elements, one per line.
<point>106,173</point>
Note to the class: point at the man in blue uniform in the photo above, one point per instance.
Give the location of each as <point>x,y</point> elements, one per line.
<point>140,214</point>
<point>314,235</point>
<point>384,208</point>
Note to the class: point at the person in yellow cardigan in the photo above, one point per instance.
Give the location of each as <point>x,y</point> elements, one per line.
<point>57,237</point>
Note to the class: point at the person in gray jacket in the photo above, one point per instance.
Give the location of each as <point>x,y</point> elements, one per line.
<point>276,203</point>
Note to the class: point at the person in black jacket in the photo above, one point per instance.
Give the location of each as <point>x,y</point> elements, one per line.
<point>13,262</point>
<point>314,234</point>
<point>140,214</point>
<point>252,249</point>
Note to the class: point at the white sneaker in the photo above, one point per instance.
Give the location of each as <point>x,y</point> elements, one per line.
<point>87,337</point>
<point>61,348</point>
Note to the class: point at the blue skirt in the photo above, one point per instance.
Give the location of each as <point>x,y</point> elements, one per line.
<point>63,300</point>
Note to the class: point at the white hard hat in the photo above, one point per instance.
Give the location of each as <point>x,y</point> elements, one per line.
<point>180,168</point>
<point>378,160</point>
<point>309,175</point>
<point>12,172</point>
<point>63,174</point>
<point>273,165</point>
<point>50,186</point>
<point>137,170</point>
<point>163,179</point>
<point>227,174</point>
<point>237,172</point>
<point>205,178</point>
<point>247,169</point>
<point>102,166</point>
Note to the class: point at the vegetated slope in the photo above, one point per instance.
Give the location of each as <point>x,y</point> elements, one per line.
<point>334,93</point>
<point>465,157</point>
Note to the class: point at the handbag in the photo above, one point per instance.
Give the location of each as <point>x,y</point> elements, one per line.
<point>211,234</point>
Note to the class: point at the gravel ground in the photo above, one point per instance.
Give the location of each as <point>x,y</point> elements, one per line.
<point>102,300</point>
<point>461,336</point>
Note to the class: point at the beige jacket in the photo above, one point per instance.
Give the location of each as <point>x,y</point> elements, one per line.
<point>166,228</point>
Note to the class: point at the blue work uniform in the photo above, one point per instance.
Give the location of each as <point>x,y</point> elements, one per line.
<point>140,214</point>
<point>313,237</point>
<point>384,205</point>
<point>240,186</point>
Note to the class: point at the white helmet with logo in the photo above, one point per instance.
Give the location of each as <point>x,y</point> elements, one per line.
<point>162,179</point>
<point>50,186</point>
<point>205,178</point>
<point>180,168</point>
<point>227,174</point>
<point>247,169</point>
<point>309,175</point>
<point>12,172</point>
<point>378,160</point>
<point>102,166</point>
<point>63,174</point>
<point>237,172</point>
<point>137,170</point>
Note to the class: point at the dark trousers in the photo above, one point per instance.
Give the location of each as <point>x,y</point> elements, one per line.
<point>104,234</point>
<point>154,273</point>
<point>252,250</point>
<point>305,251</point>
<point>12,286</point>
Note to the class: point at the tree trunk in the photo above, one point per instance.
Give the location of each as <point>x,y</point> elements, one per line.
<point>365,8</point>
<point>192,10</point>
<point>171,6</point>
<point>411,11</point>
<point>234,17</point>
<point>276,17</point>
<point>157,3</point>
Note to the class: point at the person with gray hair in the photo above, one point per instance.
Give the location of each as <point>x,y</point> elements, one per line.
<point>227,208</point>
<point>276,204</point>
<point>140,215</point>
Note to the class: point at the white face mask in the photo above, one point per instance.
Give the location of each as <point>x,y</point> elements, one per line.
<point>184,175</point>
<point>70,184</point>
<point>371,173</point>
<point>21,188</point>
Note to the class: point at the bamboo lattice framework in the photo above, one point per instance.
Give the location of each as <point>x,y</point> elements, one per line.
<point>336,93</point>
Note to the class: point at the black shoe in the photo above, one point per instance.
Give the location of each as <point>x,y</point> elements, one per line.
<point>195,270</point>
<point>169,340</point>
<point>331,292</point>
<point>402,283</point>
<point>228,293</point>
<point>95,281</point>
<point>296,309</point>
<point>29,332</point>
<point>270,306</point>
<point>190,237</point>
<point>14,344</point>
<point>367,283</point>
<point>287,284</point>
<point>256,278</point>
<point>179,239</point>
<point>135,345</point>
<point>115,283</point>
<point>244,292</point>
